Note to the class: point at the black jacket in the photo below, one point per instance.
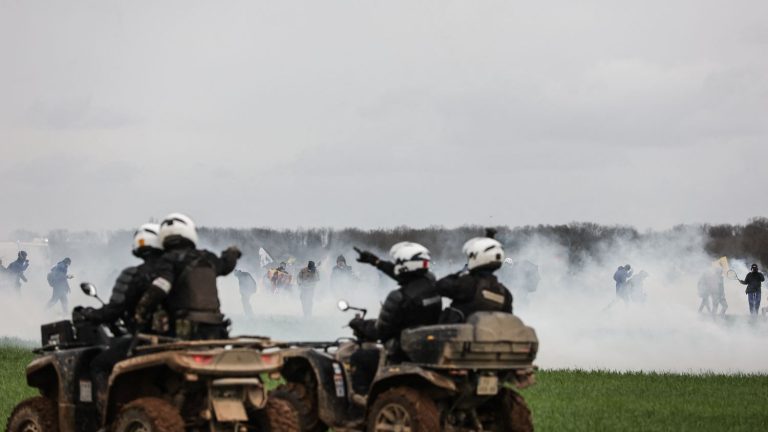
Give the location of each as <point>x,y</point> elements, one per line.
<point>415,303</point>
<point>129,288</point>
<point>476,291</point>
<point>754,281</point>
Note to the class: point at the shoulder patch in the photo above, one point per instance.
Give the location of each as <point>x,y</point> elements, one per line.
<point>492,296</point>
<point>431,300</point>
<point>162,283</point>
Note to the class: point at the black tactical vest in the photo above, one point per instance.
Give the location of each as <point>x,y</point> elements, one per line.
<point>490,296</point>
<point>195,290</point>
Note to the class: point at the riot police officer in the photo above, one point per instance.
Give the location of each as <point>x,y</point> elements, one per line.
<point>476,289</point>
<point>186,283</point>
<point>128,289</point>
<point>415,303</point>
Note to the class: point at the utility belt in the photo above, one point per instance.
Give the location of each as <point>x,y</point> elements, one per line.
<point>194,324</point>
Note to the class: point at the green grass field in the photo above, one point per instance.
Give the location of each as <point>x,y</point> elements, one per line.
<point>13,383</point>
<point>577,400</point>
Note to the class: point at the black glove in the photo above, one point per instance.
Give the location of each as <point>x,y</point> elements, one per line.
<point>357,324</point>
<point>368,258</point>
<point>78,314</point>
<point>89,313</point>
<point>232,251</point>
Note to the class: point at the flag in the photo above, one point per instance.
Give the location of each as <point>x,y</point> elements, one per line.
<point>264,258</point>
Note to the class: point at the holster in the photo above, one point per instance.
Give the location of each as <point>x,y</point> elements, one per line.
<point>452,316</point>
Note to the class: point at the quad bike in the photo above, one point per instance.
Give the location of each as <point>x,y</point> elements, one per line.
<point>459,377</point>
<point>166,386</point>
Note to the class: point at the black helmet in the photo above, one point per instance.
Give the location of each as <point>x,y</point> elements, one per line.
<point>67,261</point>
<point>627,267</point>
<point>341,259</point>
<point>311,265</point>
<point>23,254</point>
<point>754,267</point>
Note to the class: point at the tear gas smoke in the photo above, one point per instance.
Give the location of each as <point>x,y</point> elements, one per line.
<point>573,309</point>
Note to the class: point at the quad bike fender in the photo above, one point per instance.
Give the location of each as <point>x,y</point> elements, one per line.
<point>45,374</point>
<point>130,377</point>
<point>411,375</point>
<point>331,405</point>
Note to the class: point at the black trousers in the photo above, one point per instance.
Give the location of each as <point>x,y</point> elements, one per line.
<point>365,362</point>
<point>102,364</point>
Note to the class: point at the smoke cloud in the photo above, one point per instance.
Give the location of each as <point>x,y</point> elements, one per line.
<point>574,308</point>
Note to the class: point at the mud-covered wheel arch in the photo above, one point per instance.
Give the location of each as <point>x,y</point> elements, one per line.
<point>507,412</point>
<point>403,408</point>
<point>301,390</point>
<point>279,415</point>
<point>46,379</point>
<point>151,382</point>
<point>304,403</point>
<point>149,414</point>
<point>37,414</point>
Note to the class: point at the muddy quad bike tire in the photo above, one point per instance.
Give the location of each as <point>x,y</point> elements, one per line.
<point>304,402</point>
<point>510,413</point>
<point>403,408</point>
<point>149,414</point>
<point>37,414</point>
<point>279,415</point>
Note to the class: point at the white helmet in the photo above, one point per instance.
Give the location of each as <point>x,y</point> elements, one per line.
<point>177,224</point>
<point>482,251</point>
<point>147,236</point>
<point>409,257</point>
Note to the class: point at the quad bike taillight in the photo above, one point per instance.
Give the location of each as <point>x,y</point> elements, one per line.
<point>270,359</point>
<point>202,359</point>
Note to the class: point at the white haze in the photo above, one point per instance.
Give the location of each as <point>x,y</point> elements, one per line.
<point>568,310</point>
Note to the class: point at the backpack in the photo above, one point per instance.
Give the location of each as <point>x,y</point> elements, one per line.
<point>50,278</point>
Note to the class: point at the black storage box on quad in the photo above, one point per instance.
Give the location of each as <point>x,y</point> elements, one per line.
<point>57,333</point>
<point>488,340</point>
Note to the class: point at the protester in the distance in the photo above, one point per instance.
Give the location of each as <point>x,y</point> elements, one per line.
<point>621,277</point>
<point>307,280</point>
<point>754,281</point>
<point>16,269</point>
<point>58,279</point>
<point>279,279</point>
<point>476,289</point>
<point>341,274</point>
<point>717,291</point>
<point>186,283</point>
<point>247,285</point>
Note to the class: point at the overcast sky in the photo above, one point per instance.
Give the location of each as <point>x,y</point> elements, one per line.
<point>370,114</point>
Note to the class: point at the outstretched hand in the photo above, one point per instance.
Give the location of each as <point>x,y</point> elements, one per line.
<point>366,257</point>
